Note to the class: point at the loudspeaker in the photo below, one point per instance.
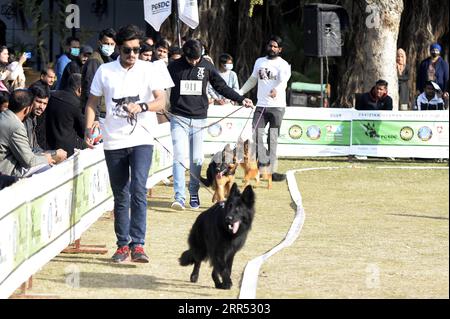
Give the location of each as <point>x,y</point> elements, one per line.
<point>322,25</point>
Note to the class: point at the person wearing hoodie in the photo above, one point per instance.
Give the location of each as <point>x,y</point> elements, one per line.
<point>377,99</point>
<point>433,68</point>
<point>429,100</point>
<point>189,110</point>
<point>106,47</point>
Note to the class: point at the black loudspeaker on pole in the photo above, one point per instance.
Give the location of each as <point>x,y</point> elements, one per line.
<point>323,25</point>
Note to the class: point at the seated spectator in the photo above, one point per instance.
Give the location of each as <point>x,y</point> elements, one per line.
<point>146,52</point>
<point>16,155</point>
<point>65,121</point>
<point>4,100</point>
<point>76,65</point>
<point>11,72</point>
<point>47,79</point>
<point>429,100</point>
<point>35,122</point>
<point>377,99</point>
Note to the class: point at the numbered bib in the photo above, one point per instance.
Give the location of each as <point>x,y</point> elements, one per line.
<point>190,87</point>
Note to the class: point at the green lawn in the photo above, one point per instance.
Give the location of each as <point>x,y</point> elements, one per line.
<point>368,233</point>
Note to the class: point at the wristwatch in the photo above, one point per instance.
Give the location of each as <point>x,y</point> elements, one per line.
<point>144,107</point>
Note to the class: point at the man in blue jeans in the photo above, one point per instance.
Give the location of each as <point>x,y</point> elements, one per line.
<point>133,92</point>
<point>189,110</point>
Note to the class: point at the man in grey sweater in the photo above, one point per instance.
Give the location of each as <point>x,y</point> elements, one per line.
<point>16,155</point>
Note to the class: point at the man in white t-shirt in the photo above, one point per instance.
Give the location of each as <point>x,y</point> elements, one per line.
<point>133,92</point>
<point>271,73</point>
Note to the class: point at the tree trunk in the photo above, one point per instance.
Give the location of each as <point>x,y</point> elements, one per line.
<point>373,42</point>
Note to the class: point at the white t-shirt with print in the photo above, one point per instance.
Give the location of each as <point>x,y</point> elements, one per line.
<point>271,74</point>
<point>120,86</point>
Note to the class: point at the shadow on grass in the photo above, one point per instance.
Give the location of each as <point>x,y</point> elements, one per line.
<point>104,261</point>
<point>420,216</point>
<point>99,280</point>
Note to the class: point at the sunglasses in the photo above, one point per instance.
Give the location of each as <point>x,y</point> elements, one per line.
<point>127,50</point>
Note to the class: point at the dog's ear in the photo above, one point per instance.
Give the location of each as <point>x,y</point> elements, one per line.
<point>234,191</point>
<point>248,196</point>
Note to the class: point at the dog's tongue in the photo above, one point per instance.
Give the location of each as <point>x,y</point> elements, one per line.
<point>235,227</point>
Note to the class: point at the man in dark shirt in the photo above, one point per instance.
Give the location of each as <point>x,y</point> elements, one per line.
<point>65,121</point>
<point>35,122</point>
<point>189,110</point>
<point>377,99</point>
<point>76,65</point>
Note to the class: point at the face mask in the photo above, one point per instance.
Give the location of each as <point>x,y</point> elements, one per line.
<point>107,50</point>
<point>75,51</point>
<point>229,66</point>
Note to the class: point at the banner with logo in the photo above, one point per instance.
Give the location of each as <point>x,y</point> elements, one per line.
<point>43,214</point>
<point>421,134</point>
<point>339,132</point>
<point>157,11</point>
<point>188,12</point>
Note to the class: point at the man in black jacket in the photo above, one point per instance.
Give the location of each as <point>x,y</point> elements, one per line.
<point>104,53</point>
<point>65,121</point>
<point>189,110</point>
<point>377,99</point>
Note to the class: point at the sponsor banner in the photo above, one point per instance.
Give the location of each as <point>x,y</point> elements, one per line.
<point>43,214</point>
<point>413,134</point>
<point>339,132</point>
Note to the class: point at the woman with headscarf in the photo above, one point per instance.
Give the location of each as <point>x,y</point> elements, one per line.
<point>403,77</point>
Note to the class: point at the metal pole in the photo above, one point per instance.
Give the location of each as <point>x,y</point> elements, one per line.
<point>50,40</point>
<point>321,81</point>
<point>178,24</point>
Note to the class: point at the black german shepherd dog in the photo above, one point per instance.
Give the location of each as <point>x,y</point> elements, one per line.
<point>219,233</point>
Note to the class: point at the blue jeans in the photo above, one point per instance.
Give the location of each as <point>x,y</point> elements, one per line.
<point>186,131</point>
<point>129,193</point>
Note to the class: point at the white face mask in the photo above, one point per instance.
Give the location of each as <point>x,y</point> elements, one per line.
<point>107,50</point>
<point>229,66</point>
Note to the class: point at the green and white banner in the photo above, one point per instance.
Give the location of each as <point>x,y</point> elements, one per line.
<point>42,215</point>
<point>340,132</point>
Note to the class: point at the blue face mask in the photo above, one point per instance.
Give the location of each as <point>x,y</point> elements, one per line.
<point>107,50</point>
<point>75,51</point>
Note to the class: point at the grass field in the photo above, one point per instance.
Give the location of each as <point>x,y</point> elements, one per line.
<point>368,233</point>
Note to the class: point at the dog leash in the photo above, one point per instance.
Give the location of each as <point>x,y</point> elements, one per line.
<point>200,128</point>
<point>170,153</point>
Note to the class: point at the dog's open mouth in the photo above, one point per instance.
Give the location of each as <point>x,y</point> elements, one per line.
<point>234,227</point>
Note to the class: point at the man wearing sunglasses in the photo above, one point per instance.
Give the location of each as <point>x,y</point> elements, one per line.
<point>133,92</point>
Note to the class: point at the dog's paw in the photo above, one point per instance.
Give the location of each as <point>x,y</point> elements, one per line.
<point>194,277</point>
<point>225,285</point>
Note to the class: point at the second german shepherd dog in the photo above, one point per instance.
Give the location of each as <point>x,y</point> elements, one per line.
<point>220,173</point>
